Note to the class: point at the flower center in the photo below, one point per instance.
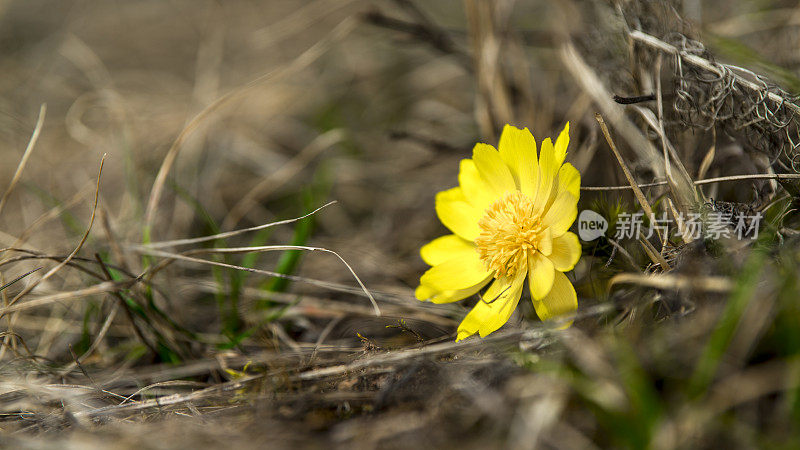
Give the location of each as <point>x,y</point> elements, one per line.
<point>510,232</point>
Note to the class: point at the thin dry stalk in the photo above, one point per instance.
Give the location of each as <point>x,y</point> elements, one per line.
<point>268,248</point>
<point>757,176</point>
<point>100,288</point>
<point>325,308</point>
<point>655,256</point>
<point>592,86</point>
<point>66,261</point>
<point>493,104</point>
<point>10,338</point>
<point>628,175</point>
<point>28,150</point>
<point>125,307</point>
<point>228,234</point>
<point>680,186</point>
<point>170,400</point>
<point>674,282</point>
<point>637,192</point>
<point>709,157</point>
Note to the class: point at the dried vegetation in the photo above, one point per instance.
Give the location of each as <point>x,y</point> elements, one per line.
<point>164,297</point>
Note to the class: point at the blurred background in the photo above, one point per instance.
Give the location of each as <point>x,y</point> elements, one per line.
<point>217,116</point>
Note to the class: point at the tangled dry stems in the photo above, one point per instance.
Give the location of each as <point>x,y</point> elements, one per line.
<point>87,344</point>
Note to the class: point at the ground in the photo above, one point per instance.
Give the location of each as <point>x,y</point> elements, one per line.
<point>159,157</point>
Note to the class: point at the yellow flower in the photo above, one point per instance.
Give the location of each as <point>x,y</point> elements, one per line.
<point>509,215</point>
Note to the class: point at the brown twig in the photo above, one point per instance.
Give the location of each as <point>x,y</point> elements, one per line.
<point>424,30</point>
<point>707,65</point>
<point>757,176</point>
<point>66,261</point>
<point>125,307</point>
<point>28,150</point>
<point>183,257</point>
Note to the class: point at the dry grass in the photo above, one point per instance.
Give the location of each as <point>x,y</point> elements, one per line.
<point>196,293</point>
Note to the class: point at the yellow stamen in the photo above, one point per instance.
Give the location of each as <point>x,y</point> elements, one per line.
<point>510,232</point>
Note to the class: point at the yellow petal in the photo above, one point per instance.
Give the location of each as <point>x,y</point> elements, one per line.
<point>561,300</point>
<point>540,275</point>
<point>569,179</point>
<point>455,274</point>
<point>457,214</point>
<point>475,189</point>
<point>518,150</point>
<point>446,247</point>
<point>494,309</point>
<point>548,170</point>
<point>460,294</point>
<point>566,252</point>
<point>562,214</point>
<point>546,242</point>
<point>493,170</point>
<point>561,145</point>
<point>428,293</point>
<point>424,292</point>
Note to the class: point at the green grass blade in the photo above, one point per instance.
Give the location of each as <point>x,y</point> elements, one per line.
<point>722,335</point>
